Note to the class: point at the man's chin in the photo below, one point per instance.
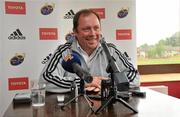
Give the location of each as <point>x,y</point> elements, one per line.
<point>92,44</point>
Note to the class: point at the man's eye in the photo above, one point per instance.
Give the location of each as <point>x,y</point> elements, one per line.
<point>89,29</point>
<point>96,28</point>
<point>86,29</point>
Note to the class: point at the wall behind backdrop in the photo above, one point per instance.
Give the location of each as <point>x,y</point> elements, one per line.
<point>32,29</point>
<point>1,67</point>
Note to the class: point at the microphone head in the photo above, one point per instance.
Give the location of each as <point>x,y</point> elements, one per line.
<point>69,60</point>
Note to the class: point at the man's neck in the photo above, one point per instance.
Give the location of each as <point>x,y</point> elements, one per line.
<point>89,51</point>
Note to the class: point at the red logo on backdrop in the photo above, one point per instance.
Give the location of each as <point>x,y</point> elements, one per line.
<point>124,34</point>
<point>18,83</point>
<point>15,7</point>
<point>48,34</point>
<point>100,12</point>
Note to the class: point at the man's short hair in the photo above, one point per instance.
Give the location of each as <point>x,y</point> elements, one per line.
<point>85,12</point>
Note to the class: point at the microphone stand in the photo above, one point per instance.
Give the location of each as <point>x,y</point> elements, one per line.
<point>115,75</point>
<point>82,92</point>
<point>112,98</point>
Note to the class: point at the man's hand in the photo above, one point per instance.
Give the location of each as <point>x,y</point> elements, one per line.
<point>95,85</point>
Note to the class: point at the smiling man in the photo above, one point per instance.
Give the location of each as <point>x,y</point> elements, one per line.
<point>87,32</point>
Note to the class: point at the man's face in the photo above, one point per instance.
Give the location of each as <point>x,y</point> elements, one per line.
<point>88,32</point>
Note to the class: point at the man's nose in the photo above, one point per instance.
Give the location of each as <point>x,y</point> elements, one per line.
<point>93,32</point>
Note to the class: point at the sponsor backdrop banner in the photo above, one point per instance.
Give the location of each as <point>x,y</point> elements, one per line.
<point>32,29</point>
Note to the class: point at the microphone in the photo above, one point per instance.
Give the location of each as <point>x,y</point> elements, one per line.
<point>120,78</point>
<point>72,63</point>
